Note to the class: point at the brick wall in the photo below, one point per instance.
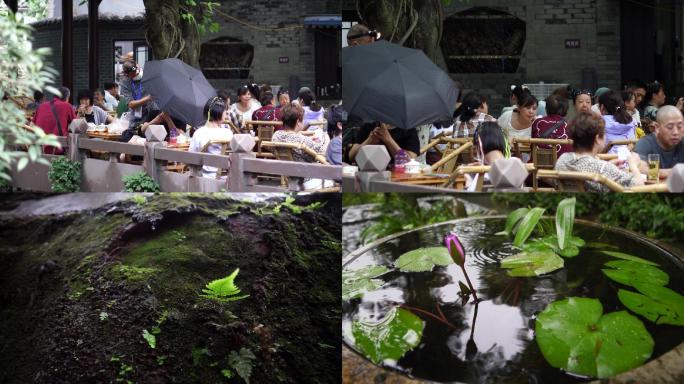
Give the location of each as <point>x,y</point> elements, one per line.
<point>596,23</point>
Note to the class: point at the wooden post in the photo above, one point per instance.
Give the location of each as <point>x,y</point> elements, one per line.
<point>93,45</point>
<point>68,45</point>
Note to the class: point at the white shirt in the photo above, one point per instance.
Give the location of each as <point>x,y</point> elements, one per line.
<point>247,115</point>
<point>510,132</point>
<point>110,100</point>
<point>201,137</point>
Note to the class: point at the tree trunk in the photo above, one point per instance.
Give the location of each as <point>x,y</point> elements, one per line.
<point>169,35</point>
<point>414,23</point>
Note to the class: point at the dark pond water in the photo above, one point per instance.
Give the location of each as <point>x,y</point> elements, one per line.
<point>504,330</point>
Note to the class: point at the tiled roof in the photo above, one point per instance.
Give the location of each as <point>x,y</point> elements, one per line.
<point>106,18</point>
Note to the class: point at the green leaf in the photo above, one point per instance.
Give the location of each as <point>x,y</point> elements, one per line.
<point>599,245</point>
<point>23,162</point>
<point>660,305</point>
<point>625,256</point>
<point>423,259</point>
<point>538,245</point>
<point>150,338</point>
<point>513,219</point>
<point>223,290</point>
<point>574,335</point>
<point>399,332</point>
<point>527,225</point>
<point>526,264</point>
<point>565,218</point>
<point>629,272</point>
<point>242,363</point>
<point>357,282</point>
<point>569,251</point>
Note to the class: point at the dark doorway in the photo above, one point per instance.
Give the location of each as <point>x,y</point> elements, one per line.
<point>327,61</point>
<point>638,40</point>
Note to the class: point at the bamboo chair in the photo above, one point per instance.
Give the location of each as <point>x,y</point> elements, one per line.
<point>284,152</point>
<point>225,144</point>
<point>629,142</point>
<point>568,181</point>
<point>542,158</point>
<point>478,169</point>
<point>232,126</point>
<point>450,156</point>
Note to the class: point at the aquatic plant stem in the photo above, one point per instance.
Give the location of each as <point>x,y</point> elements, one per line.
<point>442,319</point>
<point>470,285</point>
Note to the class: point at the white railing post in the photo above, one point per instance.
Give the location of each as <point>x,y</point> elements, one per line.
<point>372,161</point>
<point>241,146</point>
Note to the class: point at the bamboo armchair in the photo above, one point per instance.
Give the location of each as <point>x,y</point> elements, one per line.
<point>542,158</point>
<point>629,142</point>
<point>284,151</point>
<point>478,169</point>
<point>569,181</point>
<point>225,144</point>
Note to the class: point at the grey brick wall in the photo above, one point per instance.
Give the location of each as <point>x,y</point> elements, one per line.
<point>596,23</point>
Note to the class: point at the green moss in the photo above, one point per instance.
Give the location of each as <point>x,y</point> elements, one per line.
<point>133,273</point>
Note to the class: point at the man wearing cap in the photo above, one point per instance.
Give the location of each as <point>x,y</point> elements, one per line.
<point>338,118</point>
<point>133,90</point>
<point>359,34</point>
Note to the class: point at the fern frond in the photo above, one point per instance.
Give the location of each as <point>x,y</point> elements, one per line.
<point>223,290</point>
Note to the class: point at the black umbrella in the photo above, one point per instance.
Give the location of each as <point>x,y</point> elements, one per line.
<point>397,85</point>
<point>179,89</point>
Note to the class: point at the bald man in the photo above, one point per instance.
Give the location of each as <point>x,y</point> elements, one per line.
<point>666,141</point>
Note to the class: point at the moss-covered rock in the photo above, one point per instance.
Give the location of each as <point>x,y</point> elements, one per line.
<point>78,292</point>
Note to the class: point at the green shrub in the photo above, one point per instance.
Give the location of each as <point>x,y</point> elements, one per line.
<point>64,175</point>
<point>140,182</point>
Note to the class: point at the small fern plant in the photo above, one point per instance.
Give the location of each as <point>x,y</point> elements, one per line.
<point>223,290</point>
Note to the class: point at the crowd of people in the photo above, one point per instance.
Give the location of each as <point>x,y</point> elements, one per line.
<point>127,98</point>
<point>592,120</point>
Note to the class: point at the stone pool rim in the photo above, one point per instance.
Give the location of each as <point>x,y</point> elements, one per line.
<point>668,368</point>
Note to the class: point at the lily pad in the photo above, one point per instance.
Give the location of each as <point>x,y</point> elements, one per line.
<point>565,219</point>
<point>625,256</point>
<point>526,264</point>
<point>359,281</point>
<point>512,220</point>
<point>574,335</point>
<point>399,332</point>
<point>423,259</point>
<point>660,305</point>
<point>570,250</point>
<point>629,272</point>
<point>527,225</point>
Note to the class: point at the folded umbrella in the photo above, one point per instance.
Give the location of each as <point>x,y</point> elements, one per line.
<point>179,89</point>
<point>397,85</point>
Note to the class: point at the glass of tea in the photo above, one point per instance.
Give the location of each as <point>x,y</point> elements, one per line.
<point>653,167</point>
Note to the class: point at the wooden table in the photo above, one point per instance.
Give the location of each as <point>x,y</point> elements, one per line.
<point>179,147</point>
<point>104,136</point>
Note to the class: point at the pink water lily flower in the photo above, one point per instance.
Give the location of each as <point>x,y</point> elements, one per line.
<point>455,248</point>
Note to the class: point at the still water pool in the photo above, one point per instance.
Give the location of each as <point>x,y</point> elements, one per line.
<point>493,341</point>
